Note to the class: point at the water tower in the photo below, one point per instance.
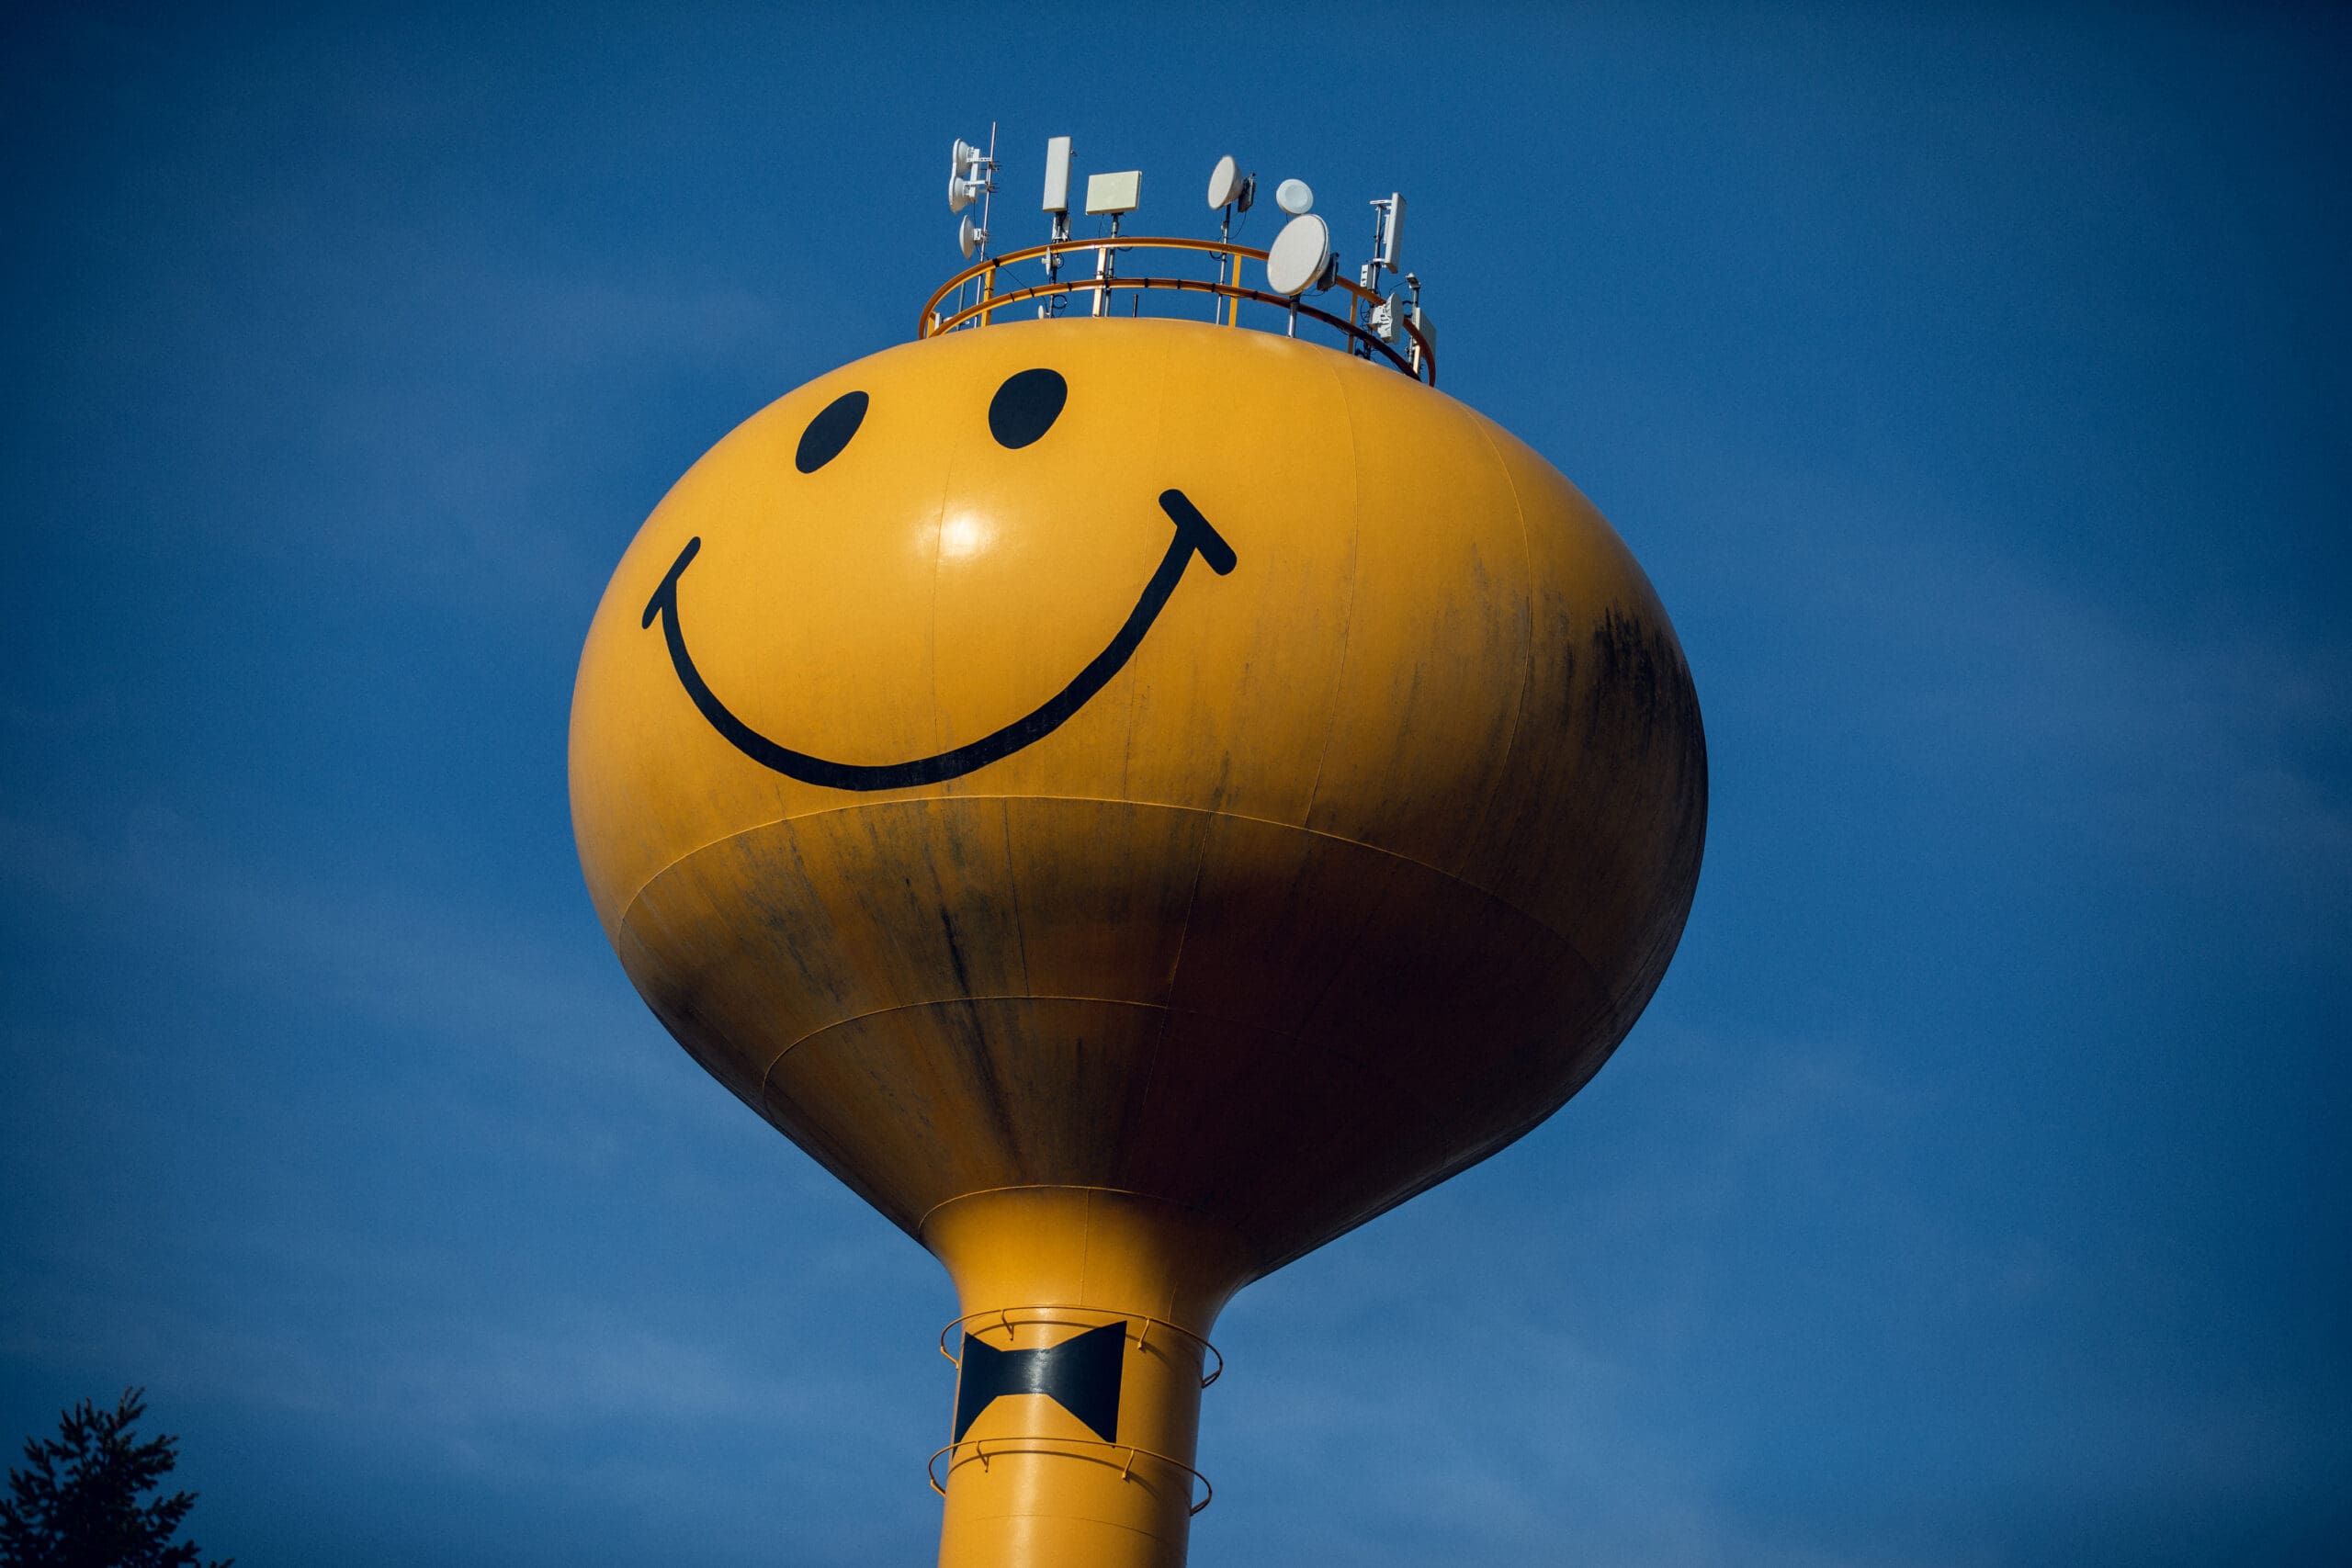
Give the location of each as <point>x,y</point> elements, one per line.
<point>1137,783</point>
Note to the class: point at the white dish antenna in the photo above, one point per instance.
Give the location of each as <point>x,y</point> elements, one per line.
<point>1228,186</point>
<point>1294,197</point>
<point>971,174</point>
<point>1300,254</point>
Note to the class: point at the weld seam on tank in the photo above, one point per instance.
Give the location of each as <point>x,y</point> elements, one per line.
<point>1355,577</point>
<point>638,897</point>
<point>1164,1202</point>
<point>1527,667</point>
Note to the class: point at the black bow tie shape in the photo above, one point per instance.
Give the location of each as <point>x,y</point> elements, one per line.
<point>1080,1374</point>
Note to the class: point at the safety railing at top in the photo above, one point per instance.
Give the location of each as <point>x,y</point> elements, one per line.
<point>985,282</point>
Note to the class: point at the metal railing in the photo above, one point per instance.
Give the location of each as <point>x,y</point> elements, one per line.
<point>1008,1319</point>
<point>1419,360</point>
<point>1055,1315</point>
<point>986,1449</point>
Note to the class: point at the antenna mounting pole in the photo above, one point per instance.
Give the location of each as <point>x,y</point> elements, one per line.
<point>990,193</point>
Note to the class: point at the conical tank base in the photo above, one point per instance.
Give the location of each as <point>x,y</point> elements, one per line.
<point>1081,1357</point>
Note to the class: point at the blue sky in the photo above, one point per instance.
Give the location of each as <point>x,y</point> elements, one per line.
<point>1973,383</point>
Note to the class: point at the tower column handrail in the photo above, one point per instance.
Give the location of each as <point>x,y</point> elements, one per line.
<point>1060,1447</point>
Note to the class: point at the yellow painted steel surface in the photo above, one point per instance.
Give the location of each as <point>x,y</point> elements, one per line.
<point>1132,856</point>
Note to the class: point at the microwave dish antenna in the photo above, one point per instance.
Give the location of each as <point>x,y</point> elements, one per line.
<point>961,187</point>
<point>1228,186</point>
<point>971,173</point>
<point>1300,255</point>
<point>1296,197</point>
<point>971,176</point>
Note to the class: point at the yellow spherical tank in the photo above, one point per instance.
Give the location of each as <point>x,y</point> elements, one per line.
<point>1134,799</point>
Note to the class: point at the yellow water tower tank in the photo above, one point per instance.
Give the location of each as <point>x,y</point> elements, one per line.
<point>1135,798</point>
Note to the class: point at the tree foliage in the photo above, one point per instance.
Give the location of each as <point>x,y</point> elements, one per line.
<point>77,1503</point>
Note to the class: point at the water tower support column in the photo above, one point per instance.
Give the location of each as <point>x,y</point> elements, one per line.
<point>1081,1364</point>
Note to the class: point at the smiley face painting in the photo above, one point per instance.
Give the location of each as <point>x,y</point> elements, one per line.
<point>1146,756</point>
<point>1022,411</point>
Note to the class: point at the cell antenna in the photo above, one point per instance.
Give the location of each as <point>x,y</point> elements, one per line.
<point>971,176</point>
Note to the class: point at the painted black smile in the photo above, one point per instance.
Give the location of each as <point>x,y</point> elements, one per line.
<point>1194,536</point>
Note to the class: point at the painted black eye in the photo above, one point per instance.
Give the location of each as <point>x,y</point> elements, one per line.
<point>829,432</point>
<point>1026,407</point>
